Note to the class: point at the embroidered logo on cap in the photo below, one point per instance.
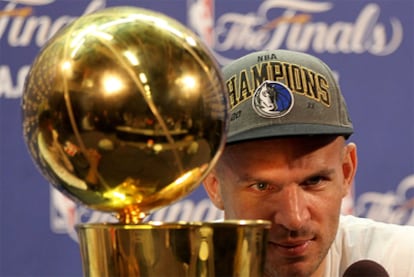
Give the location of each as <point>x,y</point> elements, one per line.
<point>272,99</point>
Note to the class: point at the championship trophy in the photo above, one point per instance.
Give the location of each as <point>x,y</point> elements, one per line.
<point>125,111</point>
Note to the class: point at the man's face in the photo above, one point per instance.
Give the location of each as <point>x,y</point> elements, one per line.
<point>296,183</point>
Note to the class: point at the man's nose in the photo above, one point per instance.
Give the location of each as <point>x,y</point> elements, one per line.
<point>292,208</point>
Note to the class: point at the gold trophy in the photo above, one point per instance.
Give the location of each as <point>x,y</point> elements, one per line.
<point>124,111</point>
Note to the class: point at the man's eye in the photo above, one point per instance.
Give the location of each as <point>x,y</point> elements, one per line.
<point>261,186</point>
<point>314,181</point>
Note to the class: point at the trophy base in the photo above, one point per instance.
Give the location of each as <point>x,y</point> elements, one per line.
<point>226,248</point>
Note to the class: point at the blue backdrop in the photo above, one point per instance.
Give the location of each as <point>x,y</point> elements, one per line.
<point>369,44</point>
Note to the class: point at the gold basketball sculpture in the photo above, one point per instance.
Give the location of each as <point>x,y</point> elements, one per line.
<point>125,111</point>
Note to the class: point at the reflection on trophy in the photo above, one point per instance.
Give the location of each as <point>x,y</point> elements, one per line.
<point>124,111</point>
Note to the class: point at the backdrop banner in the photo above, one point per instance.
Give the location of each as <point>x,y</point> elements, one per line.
<point>369,45</point>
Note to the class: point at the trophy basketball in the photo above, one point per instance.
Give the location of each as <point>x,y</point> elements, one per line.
<point>124,111</point>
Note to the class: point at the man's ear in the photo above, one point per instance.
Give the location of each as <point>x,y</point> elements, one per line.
<point>350,165</point>
<point>211,185</point>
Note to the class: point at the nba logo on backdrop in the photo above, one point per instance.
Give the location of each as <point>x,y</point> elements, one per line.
<point>200,14</point>
<point>63,213</point>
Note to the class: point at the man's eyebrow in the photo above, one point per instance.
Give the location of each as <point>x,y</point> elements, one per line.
<point>323,172</point>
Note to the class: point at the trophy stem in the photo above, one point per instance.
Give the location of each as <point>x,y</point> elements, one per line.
<point>131,215</point>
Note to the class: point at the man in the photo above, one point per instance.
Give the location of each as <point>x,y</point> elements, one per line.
<point>287,160</point>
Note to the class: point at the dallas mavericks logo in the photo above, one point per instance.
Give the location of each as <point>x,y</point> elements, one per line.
<point>272,99</point>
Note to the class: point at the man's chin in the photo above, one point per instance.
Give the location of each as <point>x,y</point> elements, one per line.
<point>286,271</point>
<point>294,267</point>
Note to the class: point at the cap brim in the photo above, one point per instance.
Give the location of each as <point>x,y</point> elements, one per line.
<point>289,130</point>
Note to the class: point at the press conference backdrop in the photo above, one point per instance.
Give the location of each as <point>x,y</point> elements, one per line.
<point>369,44</point>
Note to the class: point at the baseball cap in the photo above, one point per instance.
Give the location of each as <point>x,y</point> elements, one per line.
<point>278,93</point>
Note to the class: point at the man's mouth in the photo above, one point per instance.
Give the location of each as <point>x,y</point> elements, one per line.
<point>292,248</point>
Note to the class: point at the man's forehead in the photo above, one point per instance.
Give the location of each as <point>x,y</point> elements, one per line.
<point>290,148</point>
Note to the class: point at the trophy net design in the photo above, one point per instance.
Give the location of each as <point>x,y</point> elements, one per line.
<point>124,111</point>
